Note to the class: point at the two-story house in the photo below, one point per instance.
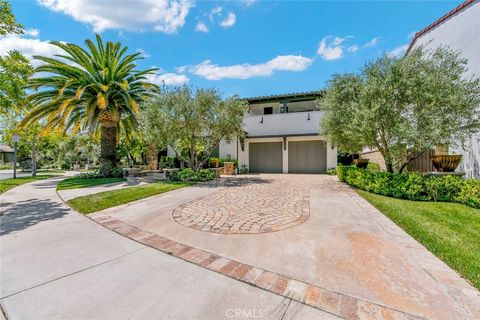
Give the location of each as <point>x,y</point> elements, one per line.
<point>282,135</point>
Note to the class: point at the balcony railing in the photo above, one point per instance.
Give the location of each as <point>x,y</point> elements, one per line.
<point>279,124</point>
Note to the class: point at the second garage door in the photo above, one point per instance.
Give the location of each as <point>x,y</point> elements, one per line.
<point>265,157</point>
<point>307,157</point>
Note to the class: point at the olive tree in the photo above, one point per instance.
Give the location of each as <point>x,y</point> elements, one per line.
<point>404,106</point>
<point>192,122</point>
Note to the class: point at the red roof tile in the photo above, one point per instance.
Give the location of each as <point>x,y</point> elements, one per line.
<point>461,7</point>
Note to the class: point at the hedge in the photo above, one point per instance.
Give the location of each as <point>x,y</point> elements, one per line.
<point>413,186</point>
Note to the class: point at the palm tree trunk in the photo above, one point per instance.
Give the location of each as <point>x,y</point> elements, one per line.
<point>108,152</point>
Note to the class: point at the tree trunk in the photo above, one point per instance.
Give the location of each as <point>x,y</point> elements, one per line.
<point>34,159</point>
<point>108,152</point>
<point>152,156</point>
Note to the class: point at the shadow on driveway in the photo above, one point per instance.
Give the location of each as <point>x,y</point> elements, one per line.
<point>232,181</point>
<point>23,214</point>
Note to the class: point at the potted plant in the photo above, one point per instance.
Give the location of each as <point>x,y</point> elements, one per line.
<point>361,163</point>
<point>446,162</point>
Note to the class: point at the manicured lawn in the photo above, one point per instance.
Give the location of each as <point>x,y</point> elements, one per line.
<point>76,182</point>
<point>451,231</point>
<point>7,184</point>
<point>108,199</point>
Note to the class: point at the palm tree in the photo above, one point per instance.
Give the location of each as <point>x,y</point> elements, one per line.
<point>96,90</point>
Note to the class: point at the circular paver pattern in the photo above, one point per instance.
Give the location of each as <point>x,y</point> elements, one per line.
<point>250,204</point>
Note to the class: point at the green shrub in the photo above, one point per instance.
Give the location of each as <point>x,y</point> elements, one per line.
<point>243,169</point>
<point>341,170</point>
<point>470,193</point>
<point>188,175</point>
<point>115,172</point>
<point>413,186</point>
<point>373,166</point>
<point>331,172</point>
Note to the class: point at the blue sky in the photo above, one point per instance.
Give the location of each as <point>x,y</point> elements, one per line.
<point>245,47</point>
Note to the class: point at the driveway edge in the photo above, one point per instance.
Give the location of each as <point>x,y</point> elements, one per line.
<point>335,303</point>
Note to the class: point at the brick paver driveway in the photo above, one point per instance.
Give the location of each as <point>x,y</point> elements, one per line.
<point>345,258</point>
<point>250,205</point>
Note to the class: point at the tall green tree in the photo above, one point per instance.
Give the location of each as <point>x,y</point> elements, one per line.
<point>192,122</point>
<point>403,106</point>
<point>96,89</point>
<point>8,24</point>
<point>15,70</point>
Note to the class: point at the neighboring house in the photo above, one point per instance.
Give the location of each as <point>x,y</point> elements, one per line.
<point>282,136</point>
<point>6,153</point>
<point>459,30</point>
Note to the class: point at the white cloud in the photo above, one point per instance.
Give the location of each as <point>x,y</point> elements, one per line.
<point>398,51</point>
<point>159,15</point>
<point>170,79</point>
<point>229,20</point>
<point>372,43</point>
<point>143,52</point>
<point>29,47</point>
<point>353,48</point>
<point>244,71</point>
<point>32,32</point>
<point>411,34</point>
<point>201,27</point>
<point>248,3</point>
<point>215,12</point>
<point>333,50</point>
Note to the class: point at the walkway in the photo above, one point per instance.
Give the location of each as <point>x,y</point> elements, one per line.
<point>57,264</point>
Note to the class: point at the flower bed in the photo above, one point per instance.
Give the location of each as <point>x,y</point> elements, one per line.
<point>413,186</point>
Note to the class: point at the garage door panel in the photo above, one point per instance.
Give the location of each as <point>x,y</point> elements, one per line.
<point>307,157</point>
<point>265,157</point>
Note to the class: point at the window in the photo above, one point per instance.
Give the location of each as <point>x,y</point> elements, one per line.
<point>228,141</point>
<point>268,110</point>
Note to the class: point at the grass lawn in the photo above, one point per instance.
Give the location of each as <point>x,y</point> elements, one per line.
<point>108,199</point>
<point>77,182</point>
<point>7,184</point>
<point>450,230</point>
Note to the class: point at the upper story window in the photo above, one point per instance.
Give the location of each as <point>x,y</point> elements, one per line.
<point>268,110</point>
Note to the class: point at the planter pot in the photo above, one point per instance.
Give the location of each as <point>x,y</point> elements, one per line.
<point>228,168</point>
<point>361,163</point>
<point>446,163</point>
<point>214,163</point>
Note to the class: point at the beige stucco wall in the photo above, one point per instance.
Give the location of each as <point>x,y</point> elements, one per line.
<point>376,157</point>
<point>461,33</point>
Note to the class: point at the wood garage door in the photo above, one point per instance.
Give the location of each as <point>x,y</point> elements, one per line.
<point>265,157</point>
<point>307,157</point>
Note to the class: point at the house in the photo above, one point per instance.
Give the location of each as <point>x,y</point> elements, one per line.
<point>6,153</point>
<point>460,30</point>
<point>282,136</point>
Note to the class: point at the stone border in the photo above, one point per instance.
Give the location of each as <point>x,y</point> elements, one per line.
<point>336,303</point>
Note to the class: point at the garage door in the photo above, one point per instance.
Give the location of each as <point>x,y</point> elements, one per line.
<point>307,157</point>
<point>265,157</point>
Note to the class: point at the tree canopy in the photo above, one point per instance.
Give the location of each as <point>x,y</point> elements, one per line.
<point>192,122</point>
<point>96,90</point>
<point>403,106</point>
<point>8,24</point>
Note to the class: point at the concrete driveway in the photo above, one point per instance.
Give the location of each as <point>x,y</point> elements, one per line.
<point>57,264</point>
<point>309,229</point>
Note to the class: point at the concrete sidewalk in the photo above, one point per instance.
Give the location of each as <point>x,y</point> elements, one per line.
<point>57,264</point>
